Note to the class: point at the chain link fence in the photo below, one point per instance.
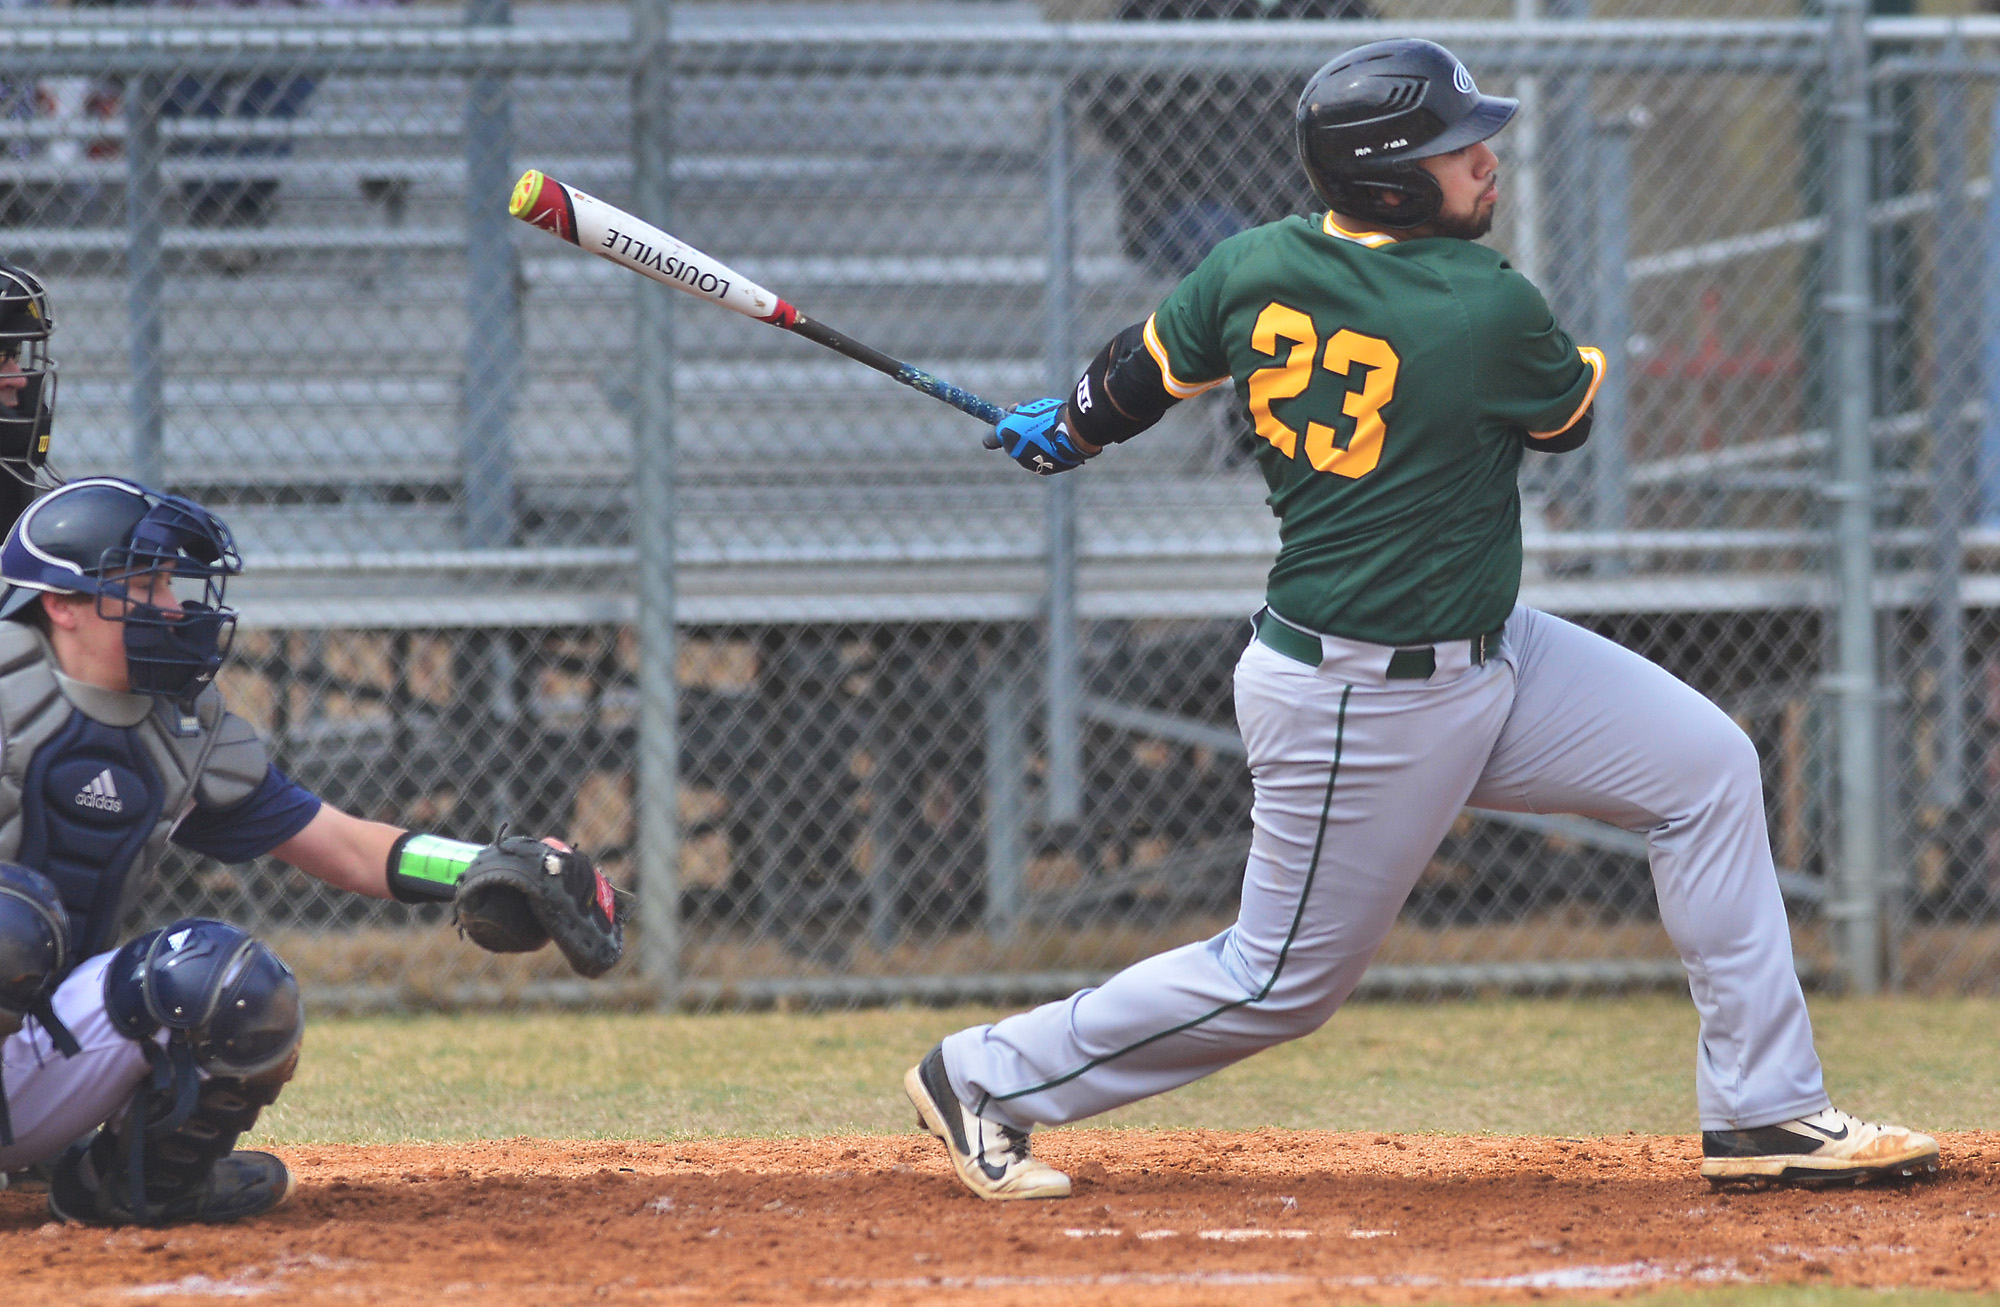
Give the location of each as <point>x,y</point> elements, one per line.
<point>857,709</point>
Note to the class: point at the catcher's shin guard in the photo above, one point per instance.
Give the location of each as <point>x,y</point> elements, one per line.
<point>191,1172</point>
<point>229,1008</point>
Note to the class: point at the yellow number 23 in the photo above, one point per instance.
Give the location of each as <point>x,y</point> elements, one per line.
<point>1290,377</point>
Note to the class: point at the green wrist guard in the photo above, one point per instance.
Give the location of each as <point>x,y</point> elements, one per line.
<point>426,868</point>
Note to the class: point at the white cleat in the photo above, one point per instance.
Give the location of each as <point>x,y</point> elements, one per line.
<point>992,1159</point>
<point>1827,1147</point>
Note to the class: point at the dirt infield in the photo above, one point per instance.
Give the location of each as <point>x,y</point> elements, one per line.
<point>1158,1218</point>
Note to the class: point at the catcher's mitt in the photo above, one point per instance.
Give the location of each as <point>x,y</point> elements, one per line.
<point>520,893</point>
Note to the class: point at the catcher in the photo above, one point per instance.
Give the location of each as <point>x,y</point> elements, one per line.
<point>130,1071</point>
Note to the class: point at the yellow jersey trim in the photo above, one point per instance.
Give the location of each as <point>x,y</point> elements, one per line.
<point>1374,240</point>
<point>1175,386</point>
<point>1595,358</point>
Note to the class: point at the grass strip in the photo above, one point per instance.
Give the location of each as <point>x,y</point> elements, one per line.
<point>1538,1067</point>
<point>1794,1295</point>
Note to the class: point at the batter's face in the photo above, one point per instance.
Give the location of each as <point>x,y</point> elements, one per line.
<point>1470,180</point>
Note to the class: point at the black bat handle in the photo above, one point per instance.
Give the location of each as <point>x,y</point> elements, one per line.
<point>916,378</point>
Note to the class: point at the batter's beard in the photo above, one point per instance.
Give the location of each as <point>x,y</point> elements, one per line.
<point>1462,226</point>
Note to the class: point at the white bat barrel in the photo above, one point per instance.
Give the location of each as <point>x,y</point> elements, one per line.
<point>611,233</point>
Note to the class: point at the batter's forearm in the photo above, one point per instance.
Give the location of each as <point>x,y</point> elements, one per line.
<point>1119,395</point>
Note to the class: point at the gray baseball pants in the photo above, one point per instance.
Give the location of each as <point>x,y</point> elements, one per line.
<point>1357,778</point>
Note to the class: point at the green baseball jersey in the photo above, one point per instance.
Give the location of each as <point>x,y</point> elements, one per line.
<point>1395,385</point>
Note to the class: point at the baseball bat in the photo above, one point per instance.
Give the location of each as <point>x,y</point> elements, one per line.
<point>611,233</point>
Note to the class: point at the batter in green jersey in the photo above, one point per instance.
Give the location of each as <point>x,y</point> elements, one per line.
<point>1395,384</point>
<point>1396,372</point>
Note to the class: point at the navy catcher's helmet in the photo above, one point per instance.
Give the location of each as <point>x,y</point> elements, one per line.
<point>27,374</point>
<point>231,999</point>
<point>1365,118</point>
<point>93,537</point>
<point>34,943</point>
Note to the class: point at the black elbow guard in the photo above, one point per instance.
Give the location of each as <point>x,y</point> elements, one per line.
<point>1121,393</point>
<point>1564,441</point>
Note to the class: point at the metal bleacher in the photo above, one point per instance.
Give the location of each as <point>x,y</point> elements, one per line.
<point>889,169</point>
<point>315,364</point>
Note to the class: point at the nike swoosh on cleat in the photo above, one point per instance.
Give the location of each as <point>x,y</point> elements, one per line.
<point>1829,1135</point>
<point>993,1173</point>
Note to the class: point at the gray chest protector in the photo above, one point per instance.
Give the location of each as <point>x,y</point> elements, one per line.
<point>93,781</point>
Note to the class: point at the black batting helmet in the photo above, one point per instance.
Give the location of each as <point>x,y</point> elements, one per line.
<point>1365,118</point>
<point>27,407</point>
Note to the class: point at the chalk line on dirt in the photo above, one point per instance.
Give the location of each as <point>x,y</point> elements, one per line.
<point>1624,1275</point>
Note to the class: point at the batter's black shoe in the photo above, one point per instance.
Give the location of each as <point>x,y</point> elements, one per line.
<point>1828,1147</point>
<point>992,1159</point>
<point>240,1185</point>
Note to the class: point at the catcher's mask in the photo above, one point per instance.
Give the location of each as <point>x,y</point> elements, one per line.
<point>97,537</point>
<point>27,375</point>
<point>1366,118</point>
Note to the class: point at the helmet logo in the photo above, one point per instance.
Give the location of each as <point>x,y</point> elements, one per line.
<point>1461,81</point>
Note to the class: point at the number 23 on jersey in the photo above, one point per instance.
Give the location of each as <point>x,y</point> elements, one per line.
<point>1293,374</point>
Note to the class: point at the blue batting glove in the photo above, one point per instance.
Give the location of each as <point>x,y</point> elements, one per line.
<point>1034,436</point>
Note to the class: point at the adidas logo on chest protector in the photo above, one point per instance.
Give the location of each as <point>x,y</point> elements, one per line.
<point>102,792</point>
